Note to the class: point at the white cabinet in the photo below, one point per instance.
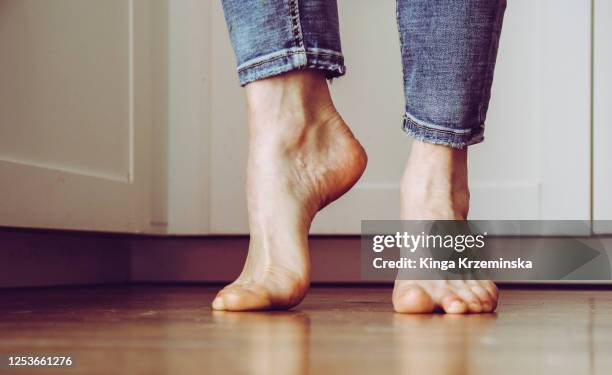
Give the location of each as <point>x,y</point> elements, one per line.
<point>126,115</point>
<point>74,114</point>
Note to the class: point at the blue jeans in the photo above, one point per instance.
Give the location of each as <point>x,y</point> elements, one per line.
<point>448,50</point>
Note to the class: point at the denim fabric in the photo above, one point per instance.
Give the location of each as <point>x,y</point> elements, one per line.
<point>271,37</point>
<point>448,53</point>
<point>448,50</point>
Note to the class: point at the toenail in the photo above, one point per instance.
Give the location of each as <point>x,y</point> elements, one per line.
<point>456,306</point>
<point>218,304</point>
<point>474,306</point>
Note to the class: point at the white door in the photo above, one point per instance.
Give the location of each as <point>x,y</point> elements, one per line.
<point>534,163</point>
<point>602,117</point>
<point>74,114</point>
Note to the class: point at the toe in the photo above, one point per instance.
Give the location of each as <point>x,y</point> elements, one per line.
<point>218,304</point>
<point>463,290</point>
<point>446,298</point>
<point>412,299</point>
<point>239,298</point>
<point>453,304</point>
<point>482,294</point>
<point>491,288</point>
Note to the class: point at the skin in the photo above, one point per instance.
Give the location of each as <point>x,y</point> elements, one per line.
<point>303,156</point>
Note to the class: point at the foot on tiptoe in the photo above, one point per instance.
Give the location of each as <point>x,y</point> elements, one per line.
<point>302,156</point>
<point>435,187</point>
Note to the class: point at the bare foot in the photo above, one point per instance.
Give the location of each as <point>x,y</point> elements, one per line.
<point>302,156</point>
<point>435,187</point>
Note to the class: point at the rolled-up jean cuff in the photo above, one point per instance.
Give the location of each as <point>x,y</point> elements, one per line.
<point>328,61</point>
<point>441,135</point>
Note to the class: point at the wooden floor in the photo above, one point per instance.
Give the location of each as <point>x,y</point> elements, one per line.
<point>171,329</point>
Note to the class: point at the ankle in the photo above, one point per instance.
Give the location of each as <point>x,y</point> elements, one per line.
<point>422,203</point>
<point>437,166</point>
<point>436,176</point>
<point>439,155</point>
<point>288,102</point>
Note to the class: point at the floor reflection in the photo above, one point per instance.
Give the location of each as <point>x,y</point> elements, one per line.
<point>439,343</point>
<point>269,343</point>
<point>150,330</point>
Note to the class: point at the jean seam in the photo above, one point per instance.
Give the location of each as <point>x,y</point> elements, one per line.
<point>399,32</point>
<point>491,57</point>
<point>290,59</point>
<point>453,143</point>
<point>296,26</point>
<point>440,136</point>
<point>286,53</point>
<point>437,128</point>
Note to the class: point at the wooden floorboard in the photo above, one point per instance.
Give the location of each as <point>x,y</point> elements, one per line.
<point>171,329</point>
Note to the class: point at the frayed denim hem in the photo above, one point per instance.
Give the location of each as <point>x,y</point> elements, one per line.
<point>439,135</point>
<point>330,62</point>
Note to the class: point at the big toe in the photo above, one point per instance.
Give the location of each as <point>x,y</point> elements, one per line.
<point>239,298</point>
<point>412,299</point>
